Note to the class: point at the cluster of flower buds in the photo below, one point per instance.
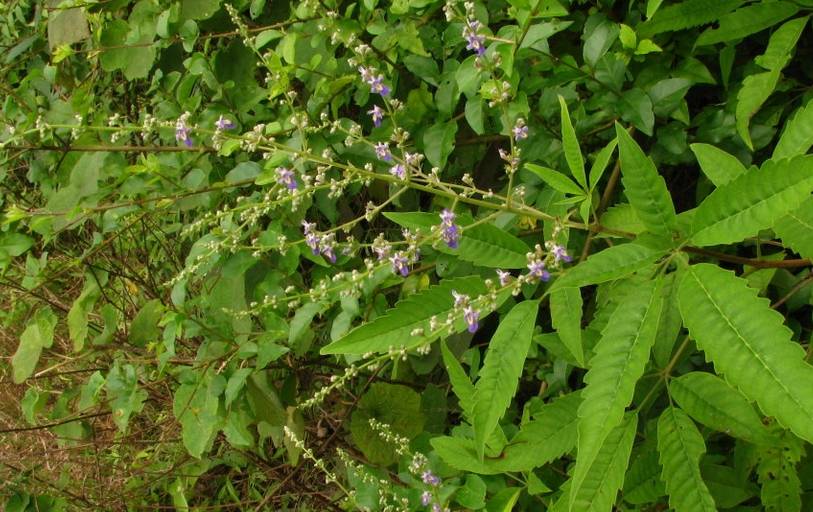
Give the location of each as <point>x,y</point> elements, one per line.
<point>183,130</point>
<point>286,178</point>
<point>536,265</point>
<point>324,244</point>
<point>470,315</point>
<point>377,115</point>
<point>520,130</point>
<point>474,40</point>
<point>375,81</point>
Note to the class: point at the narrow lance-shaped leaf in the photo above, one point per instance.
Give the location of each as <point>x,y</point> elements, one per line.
<point>610,264</point>
<point>752,202</point>
<point>600,163</point>
<point>711,401</point>
<point>749,344</point>
<point>570,144</point>
<point>681,446</point>
<point>502,368</point>
<point>796,229</point>
<point>687,14</point>
<point>555,179</point>
<point>644,187</point>
<point>620,357</point>
<point>746,21</point>
<point>566,316</point>
<point>797,136</point>
<point>461,385</point>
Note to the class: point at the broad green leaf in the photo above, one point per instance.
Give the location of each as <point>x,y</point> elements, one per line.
<point>753,201</point>
<point>397,406</point>
<point>728,487</point>
<point>635,107</point>
<point>749,344</point>
<point>264,400</point>
<point>196,408</point>
<point>566,316</point>
<point>754,92</point>
<point>620,357</point>
<point>555,179</point>
<point>746,21</point>
<point>610,264</point>
<point>438,142</point>
<point>484,244</point>
<point>781,44</point>
<point>681,446</point>
<point>796,229</point>
<point>621,217</point>
<point>797,135</point>
<point>461,385</point>
<point>77,317</point>
<point>644,187</point>
<point>573,153</point>
<point>123,393</point>
<point>236,383</point>
<point>66,26</point>
<point>687,14</point>
<point>502,368</point>
<point>472,495</point>
<point>144,328</point>
<point>642,483</point>
<point>718,166</point>
<point>394,329</point>
<point>711,401</point>
<point>37,335</point>
<point>778,476</point>
<point>605,476</point>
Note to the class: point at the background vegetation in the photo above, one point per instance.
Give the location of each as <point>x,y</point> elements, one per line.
<point>409,255</point>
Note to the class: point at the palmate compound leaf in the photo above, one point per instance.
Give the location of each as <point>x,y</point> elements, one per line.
<point>748,344</point>
<point>394,329</point>
<point>502,369</point>
<point>644,187</point>
<point>485,244</point>
<point>620,357</point>
<point>753,201</point>
<point>681,446</point>
<point>711,401</point>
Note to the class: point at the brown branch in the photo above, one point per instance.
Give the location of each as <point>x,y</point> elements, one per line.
<point>54,424</point>
<point>749,261</point>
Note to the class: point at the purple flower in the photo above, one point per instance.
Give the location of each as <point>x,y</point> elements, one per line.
<point>329,253</point>
<point>560,254</point>
<point>224,124</point>
<point>430,478</point>
<point>460,299</point>
<point>537,269</point>
<point>450,232</point>
<point>400,264</point>
<point>366,74</point>
<point>377,86</point>
<point>505,277</point>
<point>182,130</point>
<point>426,498</point>
<point>378,114</point>
<point>382,151</point>
<point>399,171</point>
<point>286,177</point>
<point>471,317</point>
<point>474,40</point>
<point>436,507</point>
<point>311,238</point>
<point>520,132</point>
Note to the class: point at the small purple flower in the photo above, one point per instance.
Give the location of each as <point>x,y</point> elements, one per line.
<point>377,86</point>
<point>430,478</point>
<point>505,277</point>
<point>560,254</point>
<point>224,124</point>
<point>426,498</point>
<point>474,40</point>
<point>182,130</point>
<point>450,232</point>
<point>471,317</point>
<point>537,269</point>
<point>436,507</point>
<point>400,264</point>
<point>311,238</point>
<point>366,74</point>
<point>329,253</point>
<point>520,132</point>
<point>399,171</point>
<point>286,177</point>
<point>460,299</point>
<point>382,151</point>
<point>377,114</point>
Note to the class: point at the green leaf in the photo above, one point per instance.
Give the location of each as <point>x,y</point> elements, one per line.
<point>753,93</point>
<point>711,401</point>
<point>797,135</point>
<point>781,44</point>
<point>394,328</point>
<point>66,26</point>
<point>749,344</point>
<point>438,142</point>
<point>196,408</point>
<point>461,385</point>
<point>555,179</point>
<point>746,21</point>
<point>642,483</point>
<point>796,229</point>
<point>484,244</point>
<point>681,446</point>
<point>144,328</point>
<point>77,317</point>
<point>605,476</point>
<point>670,323</point>
<point>199,9</point>
<point>566,316</point>
<point>600,164</point>
<point>37,335</point>
<point>644,187</point>
<point>573,153</point>
<point>718,166</point>
<point>502,368</point>
<point>610,264</point>
<point>688,14</point>
<point>622,217</point>
<point>753,201</point>
<point>472,496</point>
<point>777,473</point>
<point>620,357</point>
<point>635,106</point>
<point>397,406</point>
<point>123,393</point>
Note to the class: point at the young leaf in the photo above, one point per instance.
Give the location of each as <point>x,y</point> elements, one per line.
<point>37,335</point>
<point>754,201</point>
<point>610,264</point>
<point>681,446</point>
<point>502,368</point>
<point>749,344</point>
<point>718,166</point>
<point>570,144</point>
<point>555,179</point>
<point>746,21</point>
<point>797,135</point>
<point>711,401</point>
<point>688,14</point>
<point>566,316</point>
<point>484,244</point>
<point>394,329</point>
<point>620,357</point>
<point>644,187</point>
<point>796,229</point>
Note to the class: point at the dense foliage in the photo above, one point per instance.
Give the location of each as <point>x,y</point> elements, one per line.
<point>412,255</point>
